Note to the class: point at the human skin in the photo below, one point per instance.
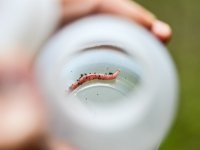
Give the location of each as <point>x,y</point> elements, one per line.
<point>22,112</point>
<point>73,9</point>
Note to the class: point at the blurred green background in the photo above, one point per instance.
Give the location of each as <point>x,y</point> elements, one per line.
<point>184,18</point>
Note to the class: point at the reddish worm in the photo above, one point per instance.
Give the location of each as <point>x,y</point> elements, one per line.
<point>93,76</point>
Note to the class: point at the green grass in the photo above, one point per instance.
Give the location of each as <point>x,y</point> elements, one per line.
<point>184,17</point>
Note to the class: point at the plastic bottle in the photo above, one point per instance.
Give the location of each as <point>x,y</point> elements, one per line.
<point>134,111</point>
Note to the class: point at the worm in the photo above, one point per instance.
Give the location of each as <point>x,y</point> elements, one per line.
<point>93,76</point>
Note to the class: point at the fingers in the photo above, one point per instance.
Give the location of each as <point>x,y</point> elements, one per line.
<point>73,9</point>
<point>161,30</point>
<point>22,115</point>
<point>21,121</point>
<point>127,9</point>
<point>134,11</point>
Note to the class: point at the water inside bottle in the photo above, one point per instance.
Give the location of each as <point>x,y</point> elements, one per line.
<point>102,93</point>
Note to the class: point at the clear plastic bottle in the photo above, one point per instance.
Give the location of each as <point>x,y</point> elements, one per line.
<point>133,111</point>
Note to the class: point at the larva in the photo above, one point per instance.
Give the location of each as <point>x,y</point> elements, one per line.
<point>92,76</point>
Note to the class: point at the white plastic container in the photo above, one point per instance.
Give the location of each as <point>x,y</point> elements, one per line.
<point>26,24</point>
<point>134,111</point>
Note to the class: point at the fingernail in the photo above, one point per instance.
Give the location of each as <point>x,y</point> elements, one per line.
<point>161,29</point>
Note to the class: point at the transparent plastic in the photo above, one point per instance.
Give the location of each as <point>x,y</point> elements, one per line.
<point>133,111</point>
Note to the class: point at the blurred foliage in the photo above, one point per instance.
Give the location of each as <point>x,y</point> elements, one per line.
<point>184,18</point>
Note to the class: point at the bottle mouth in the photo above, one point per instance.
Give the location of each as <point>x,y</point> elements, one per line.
<point>118,100</point>
<point>104,60</point>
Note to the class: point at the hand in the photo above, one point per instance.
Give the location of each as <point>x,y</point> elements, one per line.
<point>73,9</point>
